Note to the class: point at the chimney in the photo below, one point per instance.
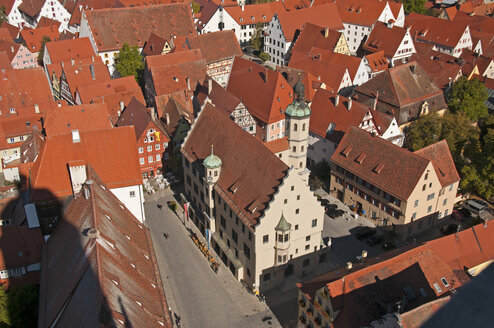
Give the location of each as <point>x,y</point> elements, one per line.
<point>326,32</point>
<point>412,68</point>
<point>210,85</point>
<point>374,103</point>
<point>72,62</point>
<point>266,76</point>
<point>36,108</point>
<point>349,104</point>
<point>188,83</point>
<point>92,58</point>
<point>76,137</point>
<point>243,7</point>
<point>336,100</point>
<point>153,113</point>
<point>12,48</point>
<point>91,68</point>
<point>122,105</point>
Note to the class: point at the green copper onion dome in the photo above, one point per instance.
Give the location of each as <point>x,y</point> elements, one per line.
<point>212,161</point>
<point>298,108</point>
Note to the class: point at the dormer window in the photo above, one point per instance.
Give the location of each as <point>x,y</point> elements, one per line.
<point>252,17</point>
<point>241,19</point>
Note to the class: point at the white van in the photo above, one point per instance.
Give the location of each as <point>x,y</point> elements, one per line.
<point>473,206</point>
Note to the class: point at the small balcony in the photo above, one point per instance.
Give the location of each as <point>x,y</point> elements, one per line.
<point>302,303</point>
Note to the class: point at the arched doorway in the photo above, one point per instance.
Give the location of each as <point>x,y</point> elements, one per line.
<point>289,270</point>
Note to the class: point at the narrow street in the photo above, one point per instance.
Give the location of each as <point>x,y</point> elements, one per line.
<point>201,297</point>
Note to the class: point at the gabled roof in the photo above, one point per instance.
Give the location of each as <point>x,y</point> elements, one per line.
<point>31,7</point>
<point>171,78</point>
<point>154,45</point>
<point>85,71</point>
<point>112,28</point>
<point>341,116</point>
<point>8,4</point>
<point>248,165</point>
<point>251,14</point>
<point>377,62</point>
<point>264,92</point>
<point>471,60</point>
<point>325,15</point>
<point>475,22</point>
<point>45,21</point>
<point>207,10</point>
<point>69,49</point>
<point>24,87</point>
<point>135,114</point>
<point>317,37</point>
<point>113,152</point>
<point>403,85</point>
<point>384,38</point>
<point>100,266</point>
<point>13,30</point>
<point>222,99</point>
<point>401,169</point>
<point>435,30</point>
<point>10,49</point>
<point>278,145</point>
<point>441,158</point>
<point>331,74</point>
<point>214,46</point>
<point>351,63</point>
<point>361,12</point>
<point>61,121</point>
<point>34,37</point>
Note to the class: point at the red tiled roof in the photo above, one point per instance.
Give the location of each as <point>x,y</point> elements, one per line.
<point>325,111</point>
<point>331,74</point>
<point>136,115</point>
<point>154,45</point>
<point>5,60</point>
<point>83,72</point>
<point>441,158</point>
<point>113,272</point>
<point>10,49</point>
<point>296,4</point>
<point>435,30</point>
<point>377,62</point>
<point>208,9</point>
<point>174,58</point>
<point>247,163</point>
<point>278,145</point>
<point>360,12</point>
<point>5,35</point>
<point>13,30</point>
<point>475,22</point>
<point>34,38</point>
<point>69,49</point>
<point>471,60</point>
<point>325,15</point>
<point>134,3</point>
<point>8,4</point>
<point>45,21</point>
<point>214,46</point>
<point>112,28</point>
<point>252,14</point>
<point>112,152</point>
<point>24,87</point>
<point>15,126</point>
<point>451,12</point>
<point>222,99</point>
<point>264,92</point>
<point>61,121</point>
<point>351,63</point>
<point>402,168</point>
<point>384,38</point>
<point>31,7</point>
<point>171,78</point>
<point>314,36</point>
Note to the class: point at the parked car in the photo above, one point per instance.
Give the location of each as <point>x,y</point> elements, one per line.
<point>374,240</point>
<point>365,232</point>
<point>474,206</point>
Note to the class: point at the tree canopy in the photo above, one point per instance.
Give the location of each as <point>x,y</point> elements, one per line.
<point>469,97</point>
<point>414,6</point>
<point>130,62</point>
<point>41,52</point>
<point>3,15</point>
<point>256,40</point>
<point>19,307</point>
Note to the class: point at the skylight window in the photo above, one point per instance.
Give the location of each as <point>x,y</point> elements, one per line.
<point>445,282</point>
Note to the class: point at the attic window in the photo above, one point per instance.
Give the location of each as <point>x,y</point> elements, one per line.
<point>360,158</point>
<point>253,207</point>
<point>252,17</point>
<point>378,168</point>
<point>445,282</point>
<point>263,16</point>
<point>346,151</point>
<point>108,217</point>
<point>241,19</point>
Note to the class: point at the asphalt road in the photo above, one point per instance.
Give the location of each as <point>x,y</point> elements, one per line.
<point>201,297</point>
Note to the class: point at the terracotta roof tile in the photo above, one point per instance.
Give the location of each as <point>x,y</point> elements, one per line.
<point>402,168</point>
<point>154,45</point>
<point>208,9</point>
<point>214,46</point>
<point>264,92</point>
<point>5,61</point>
<point>61,121</point>
<point>351,63</point>
<point>84,72</point>
<point>34,38</point>
<point>70,49</point>
<point>112,28</point>
<point>222,99</point>
<point>31,7</point>
<point>377,62</point>
<point>171,78</point>
<point>384,38</point>
<point>13,30</point>
<point>112,152</point>
<point>252,14</point>
<point>45,21</point>
<point>252,167</point>
<point>136,115</point>
<point>361,12</point>
<point>441,158</point>
<point>115,271</point>
<point>8,4</point>
<point>315,36</point>
<point>325,15</point>
<point>278,145</point>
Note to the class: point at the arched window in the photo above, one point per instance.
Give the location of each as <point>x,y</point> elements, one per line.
<point>303,127</point>
<point>294,127</point>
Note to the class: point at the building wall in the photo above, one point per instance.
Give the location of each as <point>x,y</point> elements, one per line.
<point>133,198</point>
<point>244,119</point>
<point>405,50</point>
<point>222,16</point>
<point>394,134</point>
<point>275,43</point>
<point>342,46</point>
<point>220,71</point>
<point>275,130</point>
<point>15,18</point>
<point>354,35</point>
<point>320,149</point>
<point>25,59</point>
<point>361,76</point>
<point>318,311</point>
<point>151,151</point>
<point>53,9</point>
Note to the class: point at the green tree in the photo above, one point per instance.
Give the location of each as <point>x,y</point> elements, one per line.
<point>264,56</point>
<point>41,52</point>
<point>256,41</point>
<point>3,15</point>
<point>469,97</point>
<point>130,62</point>
<point>23,306</point>
<point>4,313</point>
<point>414,6</point>
<point>195,7</point>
